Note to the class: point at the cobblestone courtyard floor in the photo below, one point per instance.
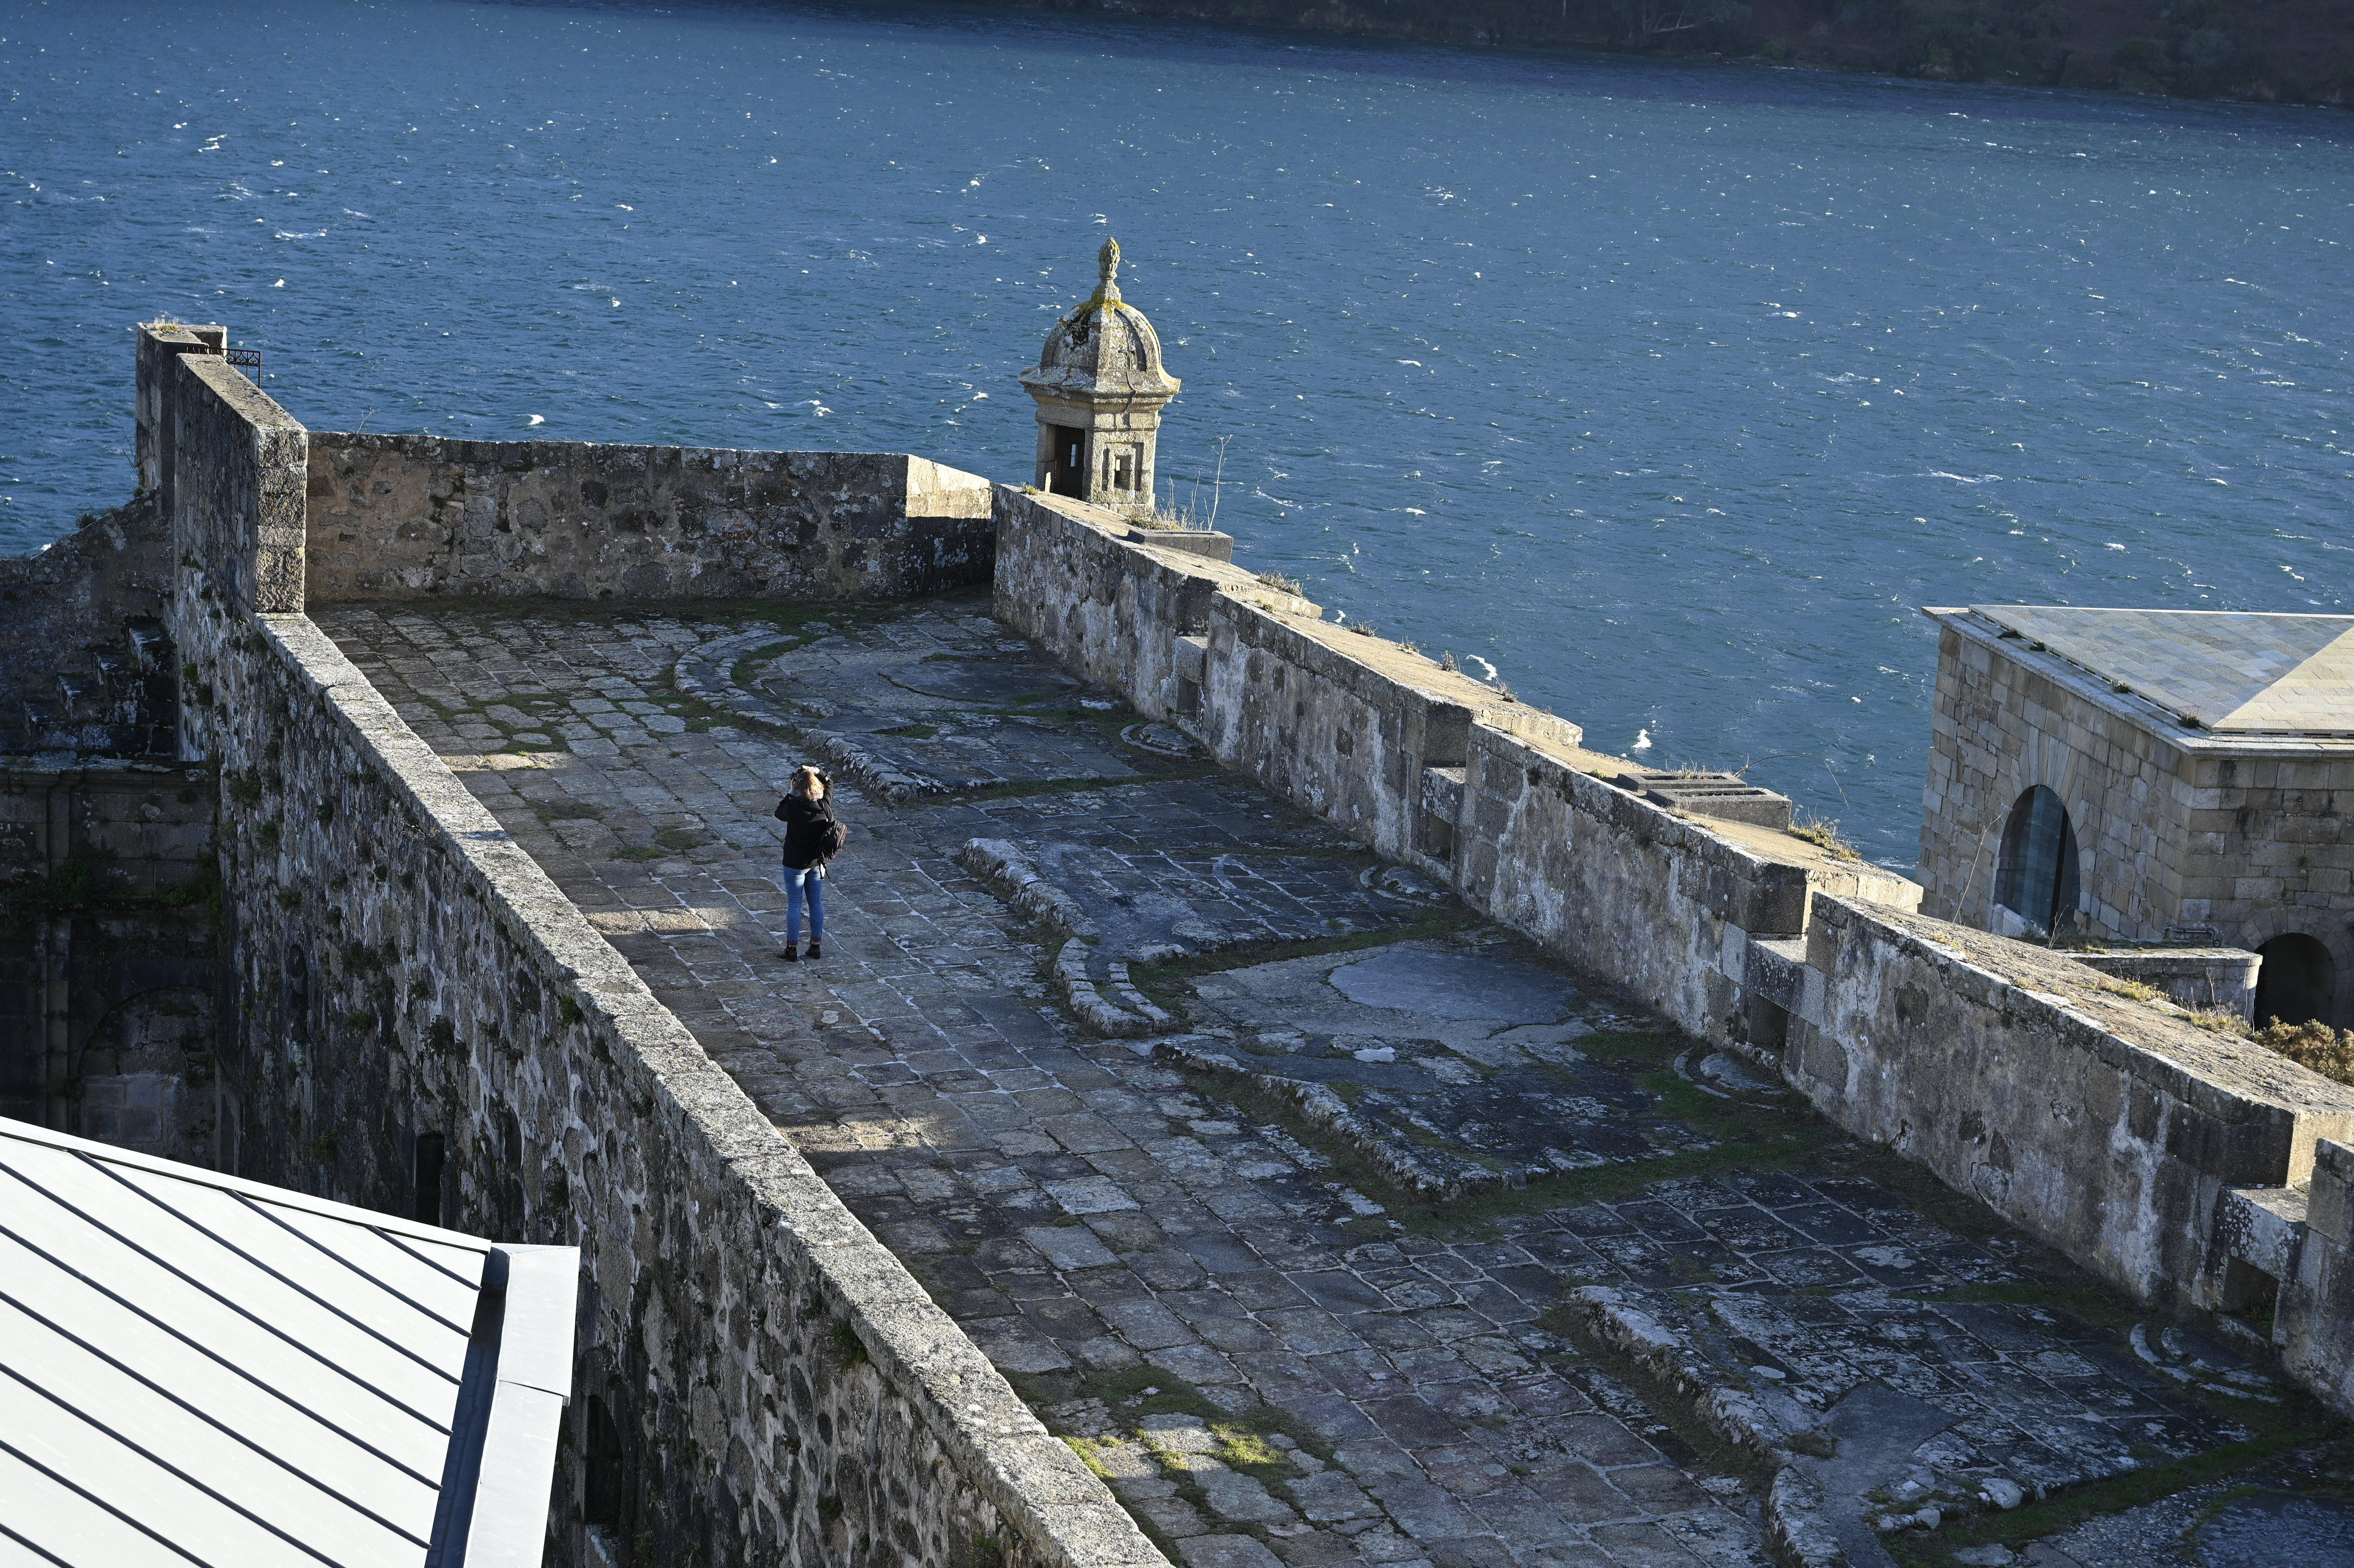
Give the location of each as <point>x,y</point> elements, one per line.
<point>1274,1350</point>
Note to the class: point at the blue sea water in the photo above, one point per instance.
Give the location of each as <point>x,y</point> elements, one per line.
<point>1667,391</point>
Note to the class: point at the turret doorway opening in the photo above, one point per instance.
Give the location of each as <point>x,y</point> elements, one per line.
<point>1068,476</point>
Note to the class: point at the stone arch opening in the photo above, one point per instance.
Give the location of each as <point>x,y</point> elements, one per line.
<point>2037,880</point>
<point>2298,981</point>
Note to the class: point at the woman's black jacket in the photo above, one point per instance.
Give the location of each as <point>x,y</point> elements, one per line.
<point>809,830</point>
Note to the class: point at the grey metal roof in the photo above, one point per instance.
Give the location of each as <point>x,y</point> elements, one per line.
<point>196,1369</point>
<point>2231,671</point>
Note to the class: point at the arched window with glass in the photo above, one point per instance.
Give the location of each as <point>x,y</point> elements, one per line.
<point>2037,880</point>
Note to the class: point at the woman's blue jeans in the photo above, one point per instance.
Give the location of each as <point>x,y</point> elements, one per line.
<point>800,885</point>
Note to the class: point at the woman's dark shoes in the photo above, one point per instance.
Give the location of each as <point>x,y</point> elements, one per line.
<point>813,949</point>
<point>793,953</point>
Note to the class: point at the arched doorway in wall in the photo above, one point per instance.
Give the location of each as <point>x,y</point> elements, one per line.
<point>2298,981</point>
<point>2037,878</point>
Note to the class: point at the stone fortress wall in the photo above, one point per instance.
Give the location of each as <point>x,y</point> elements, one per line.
<point>792,1391</point>
<point>416,517</point>
<point>404,971</point>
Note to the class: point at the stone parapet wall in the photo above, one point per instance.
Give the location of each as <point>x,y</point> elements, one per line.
<point>1420,762</point>
<point>792,1392</point>
<point>160,345</point>
<point>236,515</point>
<point>1648,898</point>
<point>2100,1123</point>
<point>2312,1251</point>
<point>1345,723</point>
<point>403,970</point>
<point>1112,602</point>
<point>2203,980</point>
<point>416,516</point>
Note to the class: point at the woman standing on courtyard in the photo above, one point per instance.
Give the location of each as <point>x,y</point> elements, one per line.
<point>812,837</point>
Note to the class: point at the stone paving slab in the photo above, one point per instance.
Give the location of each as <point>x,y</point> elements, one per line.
<point>2295,1510</point>
<point>1455,1064</point>
<point>943,704</point>
<point>1268,1363</point>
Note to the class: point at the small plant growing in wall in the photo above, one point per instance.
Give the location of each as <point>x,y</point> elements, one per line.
<point>848,1344</point>
<point>1824,834</point>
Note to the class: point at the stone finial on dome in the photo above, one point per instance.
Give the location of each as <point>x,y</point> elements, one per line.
<point>1108,263</point>
<point>1101,388</point>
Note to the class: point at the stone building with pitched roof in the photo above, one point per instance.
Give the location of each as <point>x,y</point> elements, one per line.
<point>2150,775</point>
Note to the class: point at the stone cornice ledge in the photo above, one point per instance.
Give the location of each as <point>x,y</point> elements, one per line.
<point>2141,712</point>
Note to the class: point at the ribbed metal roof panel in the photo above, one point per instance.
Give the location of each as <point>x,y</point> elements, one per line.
<point>197,1369</point>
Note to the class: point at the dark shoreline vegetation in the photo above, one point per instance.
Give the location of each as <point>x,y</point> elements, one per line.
<point>2264,51</point>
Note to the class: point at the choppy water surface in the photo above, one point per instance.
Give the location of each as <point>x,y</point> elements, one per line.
<point>1669,392</point>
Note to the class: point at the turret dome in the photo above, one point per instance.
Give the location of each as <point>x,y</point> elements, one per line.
<point>1101,388</point>
<point>1106,346</point>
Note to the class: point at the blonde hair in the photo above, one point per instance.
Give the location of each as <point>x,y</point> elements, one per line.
<point>808,782</point>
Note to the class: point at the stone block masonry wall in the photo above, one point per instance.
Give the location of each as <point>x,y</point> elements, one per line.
<point>84,669</point>
<point>79,672</point>
<point>108,942</point>
<point>1999,729</point>
<point>1124,610</point>
<point>406,972</point>
<point>415,516</point>
<point>1420,762</point>
<point>1653,900</point>
<point>160,345</point>
<point>2096,1121</point>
